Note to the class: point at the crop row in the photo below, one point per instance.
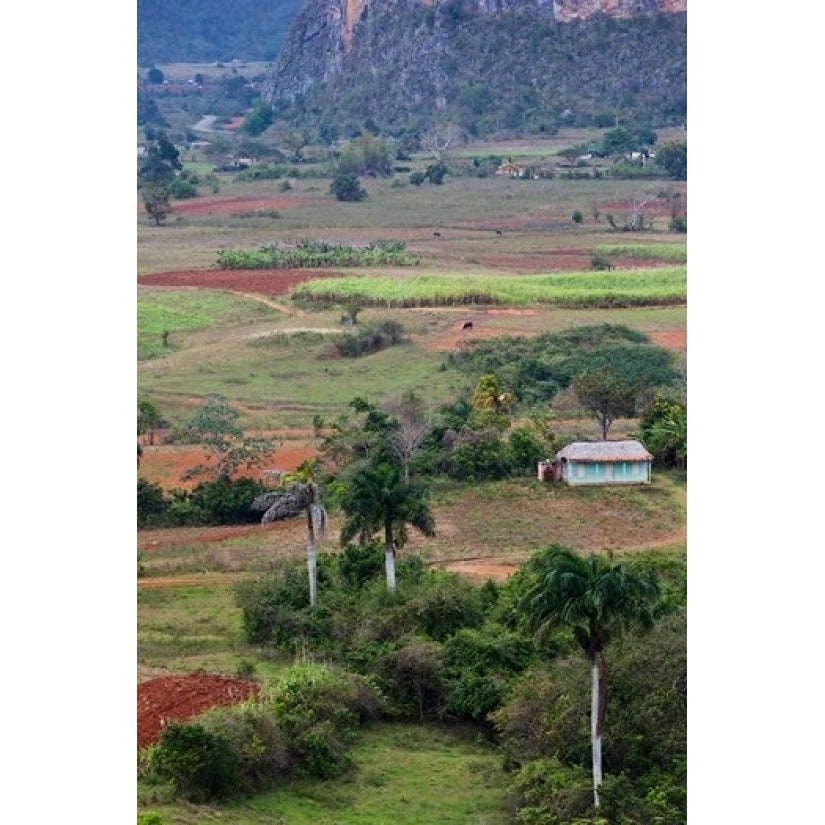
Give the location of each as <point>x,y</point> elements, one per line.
<point>677,253</point>
<point>315,254</point>
<point>622,288</point>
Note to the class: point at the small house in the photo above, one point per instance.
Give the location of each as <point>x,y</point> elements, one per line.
<point>599,462</point>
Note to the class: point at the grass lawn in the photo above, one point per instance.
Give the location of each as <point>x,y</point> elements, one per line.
<point>403,774</point>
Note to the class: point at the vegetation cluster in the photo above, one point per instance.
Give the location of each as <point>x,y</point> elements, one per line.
<point>310,254</point>
<point>442,648</point>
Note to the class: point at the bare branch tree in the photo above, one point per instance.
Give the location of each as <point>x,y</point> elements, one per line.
<point>440,141</point>
<point>410,411</point>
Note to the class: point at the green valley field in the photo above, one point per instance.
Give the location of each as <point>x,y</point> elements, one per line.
<point>486,260</point>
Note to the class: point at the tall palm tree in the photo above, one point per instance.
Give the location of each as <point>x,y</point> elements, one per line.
<point>296,498</point>
<point>595,599</point>
<point>378,498</point>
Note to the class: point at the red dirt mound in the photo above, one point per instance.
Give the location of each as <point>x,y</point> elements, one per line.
<point>169,698</point>
<point>259,281</point>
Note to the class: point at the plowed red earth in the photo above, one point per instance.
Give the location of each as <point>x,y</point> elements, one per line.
<point>260,281</point>
<point>166,465</point>
<point>235,206</point>
<point>181,697</point>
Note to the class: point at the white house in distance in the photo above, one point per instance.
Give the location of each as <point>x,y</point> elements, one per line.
<point>599,462</point>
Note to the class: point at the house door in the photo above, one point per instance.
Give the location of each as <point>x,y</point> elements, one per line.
<point>608,472</point>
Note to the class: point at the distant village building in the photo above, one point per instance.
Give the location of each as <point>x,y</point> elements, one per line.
<point>599,462</point>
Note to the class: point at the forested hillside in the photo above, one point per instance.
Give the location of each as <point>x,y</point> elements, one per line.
<point>510,69</point>
<point>193,31</point>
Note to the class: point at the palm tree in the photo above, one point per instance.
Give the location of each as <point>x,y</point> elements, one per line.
<point>594,598</point>
<point>378,498</point>
<point>296,498</point>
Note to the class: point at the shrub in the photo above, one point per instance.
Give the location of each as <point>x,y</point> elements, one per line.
<point>227,501</point>
<point>478,456</point>
<point>600,262</point>
<point>444,605</point>
<point>257,740</point>
<point>525,451</point>
<point>319,709</point>
<point>274,607</point>
<point>414,679</point>
<point>150,818</point>
<point>346,187</point>
<point>417,178</point>
<point>200,764</point>
<point>435,173</point>
<point>151,505</point>
<point>182,189</point>
<point>368,339</point>
<point>577,217</point>
<point>481,665</point>
<point>359,565</point>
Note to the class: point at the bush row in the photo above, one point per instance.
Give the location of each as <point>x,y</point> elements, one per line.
<point>315,254</point>
<point>210,503</point>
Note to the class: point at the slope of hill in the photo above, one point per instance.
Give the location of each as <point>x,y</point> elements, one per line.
<point>193,31</point>
<point>491,66</point>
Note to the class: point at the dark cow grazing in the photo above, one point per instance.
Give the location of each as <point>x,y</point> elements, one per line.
<point>498,231</point>
<point>467,325</point>
<point>436,234</point>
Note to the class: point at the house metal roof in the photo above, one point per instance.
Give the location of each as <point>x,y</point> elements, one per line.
<point>629,450</point>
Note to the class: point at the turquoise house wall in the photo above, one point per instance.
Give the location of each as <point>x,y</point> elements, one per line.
<point>607,472</point>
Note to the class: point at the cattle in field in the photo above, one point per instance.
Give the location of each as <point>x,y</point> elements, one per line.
<point>467,325</point>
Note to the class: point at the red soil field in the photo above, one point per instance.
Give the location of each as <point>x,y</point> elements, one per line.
<point>181,697</point>
<point>234,206</point>
<point>260,281</point>
<point>165,464</point>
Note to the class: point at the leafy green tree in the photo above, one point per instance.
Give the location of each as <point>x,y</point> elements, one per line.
<point>294,142</point>
<point>673,157</point>
<point>596,599</point>
<point>663,429</point>
<point>605,395</point>
<point>161,162</point>
<point>156,171</point>
<point>491,403</point>
<point>346,187</point>
<point>618,141</point>
<point>215,426</point>
<point>154,75</point>
<point>571,154</point>
<point>366,155</point>
<point>151,504</point>
<point>156,201</point>
<point>149,419</point>
<point>258,119</point>
<point>378,499</point>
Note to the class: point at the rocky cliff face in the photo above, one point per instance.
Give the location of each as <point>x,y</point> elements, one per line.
<point>565,11</point>
<point>394,60</point>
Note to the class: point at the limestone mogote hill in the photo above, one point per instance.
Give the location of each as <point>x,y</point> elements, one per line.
<point>486,66</point>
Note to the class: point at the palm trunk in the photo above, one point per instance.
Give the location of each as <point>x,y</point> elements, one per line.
<point>389,558</point>
<point>312,560</point>
<point>595,728</point>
